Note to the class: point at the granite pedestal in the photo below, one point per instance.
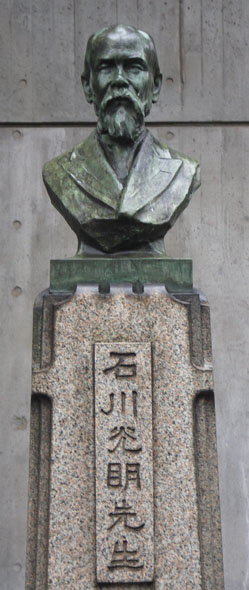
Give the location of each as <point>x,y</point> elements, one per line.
<point>165,511</point>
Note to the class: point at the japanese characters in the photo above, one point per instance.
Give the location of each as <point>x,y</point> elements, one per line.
<point>124,467</point>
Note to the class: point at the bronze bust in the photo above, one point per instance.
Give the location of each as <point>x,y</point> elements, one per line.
<point>121,189</point>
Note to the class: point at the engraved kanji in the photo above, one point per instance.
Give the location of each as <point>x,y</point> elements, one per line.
<point>124,513</point>
<point>110,409</point>
<point>124,557</point>
<point>132,475</point>
<point>122,369</point>
<point>123,403</point>
<point>121,436</point>
<point>114,475</point>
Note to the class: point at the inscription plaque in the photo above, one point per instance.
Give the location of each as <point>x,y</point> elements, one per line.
<point>124,462</point>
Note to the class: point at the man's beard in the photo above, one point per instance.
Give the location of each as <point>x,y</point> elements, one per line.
<point>121,115</point>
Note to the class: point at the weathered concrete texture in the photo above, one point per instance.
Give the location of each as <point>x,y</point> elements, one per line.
<point>202,47</point>
<point>183,497</point>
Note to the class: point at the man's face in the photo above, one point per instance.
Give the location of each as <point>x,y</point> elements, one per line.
<point>122,82</point>
<point>121,61</point>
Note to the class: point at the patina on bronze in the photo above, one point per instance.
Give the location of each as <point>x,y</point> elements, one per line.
<point>121,190</point>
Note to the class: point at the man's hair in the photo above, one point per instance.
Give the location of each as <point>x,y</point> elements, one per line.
<point>100,35</point>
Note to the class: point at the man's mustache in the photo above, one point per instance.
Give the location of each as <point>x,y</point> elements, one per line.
<point>116,94</point>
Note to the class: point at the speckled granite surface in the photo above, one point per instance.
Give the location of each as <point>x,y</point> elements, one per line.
<point>122,316</point>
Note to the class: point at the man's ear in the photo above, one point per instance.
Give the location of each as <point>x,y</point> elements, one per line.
<point>157,87</point>
<point>87,89</point>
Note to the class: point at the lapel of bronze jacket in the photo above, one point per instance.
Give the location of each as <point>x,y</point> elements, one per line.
<point>90,170</point>
<point>150,175</point>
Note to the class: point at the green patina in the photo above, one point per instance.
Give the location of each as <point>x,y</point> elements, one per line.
<point>175,274</point>
<point>121,190</point>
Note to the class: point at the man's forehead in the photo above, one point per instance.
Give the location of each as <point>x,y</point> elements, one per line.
<point>121,41</point>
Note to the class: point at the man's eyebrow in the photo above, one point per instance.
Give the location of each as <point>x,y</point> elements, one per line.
<point>105,60</point>
<point>129,60</point>
<point>136,59</point>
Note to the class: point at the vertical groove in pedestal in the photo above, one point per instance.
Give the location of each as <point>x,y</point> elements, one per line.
<point>208,491</point>
<point>196,349</point>
<point>37,537</point>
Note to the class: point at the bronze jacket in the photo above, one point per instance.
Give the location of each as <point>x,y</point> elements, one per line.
<point>111,217</point>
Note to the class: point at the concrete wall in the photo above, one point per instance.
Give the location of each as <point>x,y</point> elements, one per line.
<point>204,112</point>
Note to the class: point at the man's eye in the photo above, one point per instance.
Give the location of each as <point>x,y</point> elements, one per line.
<point>104,67</point>
<point>135,67</point>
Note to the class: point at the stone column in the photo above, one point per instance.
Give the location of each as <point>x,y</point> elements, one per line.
<point>123,443</point>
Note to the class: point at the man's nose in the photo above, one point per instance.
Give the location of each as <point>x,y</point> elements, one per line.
<point>119,78</point>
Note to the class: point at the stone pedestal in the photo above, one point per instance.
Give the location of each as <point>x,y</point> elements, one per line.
<point>176,483</point>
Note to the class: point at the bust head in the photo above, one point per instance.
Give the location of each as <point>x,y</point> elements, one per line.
<point>122,79</point>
